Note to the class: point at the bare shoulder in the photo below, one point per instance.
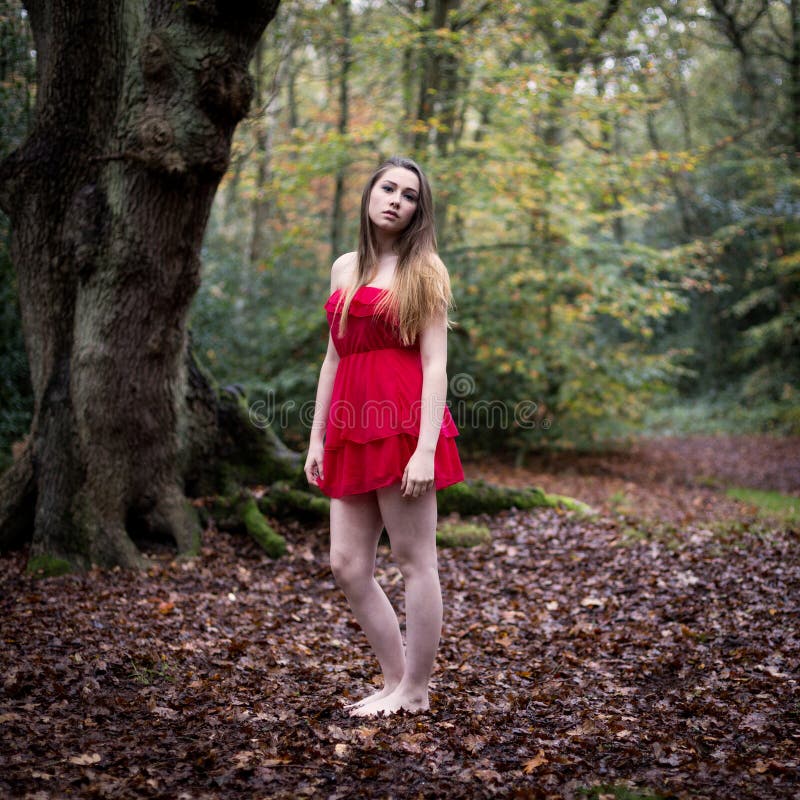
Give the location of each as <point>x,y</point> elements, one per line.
<point>342,269</point>
<point>441,269</point>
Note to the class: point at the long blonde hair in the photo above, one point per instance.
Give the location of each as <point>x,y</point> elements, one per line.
<point>420,289</point>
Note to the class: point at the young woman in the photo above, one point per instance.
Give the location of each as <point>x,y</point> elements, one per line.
<point>382,440</point>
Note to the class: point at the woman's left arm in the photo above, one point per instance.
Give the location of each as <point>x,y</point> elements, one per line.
<point>418,475</point>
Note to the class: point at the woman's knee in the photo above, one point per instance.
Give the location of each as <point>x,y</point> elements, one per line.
<point>416,564</point>
<point>351,575</point>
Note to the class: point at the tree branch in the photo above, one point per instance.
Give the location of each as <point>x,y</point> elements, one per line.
<point>612,6</point>
<point>466,21</point>
<point>403,13</point>
<point>763,50</point>
<point>775,32</point>
<point>598,148</point>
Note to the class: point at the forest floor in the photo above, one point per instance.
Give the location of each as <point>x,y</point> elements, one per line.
<point>650,650</point>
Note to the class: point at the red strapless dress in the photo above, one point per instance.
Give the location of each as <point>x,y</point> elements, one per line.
<point>373,421</point>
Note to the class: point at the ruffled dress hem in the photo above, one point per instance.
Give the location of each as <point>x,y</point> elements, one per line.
<point>343,466</point>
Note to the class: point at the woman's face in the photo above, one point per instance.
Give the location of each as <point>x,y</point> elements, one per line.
<point>393,200</point>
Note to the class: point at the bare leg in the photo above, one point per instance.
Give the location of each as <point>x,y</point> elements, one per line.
<point>356,526</point>
<point>411,524</point>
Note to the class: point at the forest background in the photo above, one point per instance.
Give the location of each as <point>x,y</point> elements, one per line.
<point>617,203</point>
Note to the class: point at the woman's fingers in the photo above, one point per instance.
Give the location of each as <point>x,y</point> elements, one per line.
<point>313,472</point>
<point>424,486</point>
<point>412,488</point>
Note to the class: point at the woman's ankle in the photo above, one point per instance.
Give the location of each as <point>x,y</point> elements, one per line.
<point>411,690</point>
<point>391,683</point>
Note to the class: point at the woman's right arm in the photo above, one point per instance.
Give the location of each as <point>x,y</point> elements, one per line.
<point>322,404</point>
<point>327,374</point>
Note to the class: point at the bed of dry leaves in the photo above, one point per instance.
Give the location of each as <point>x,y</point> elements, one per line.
<point>654,646</point>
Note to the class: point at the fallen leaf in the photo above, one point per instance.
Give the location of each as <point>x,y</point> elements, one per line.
<point>412,742</point>
<point>529,766</point>
<point>366,734</point>
<point>85,759</point>
<point>243,759</point>
<point>275,762</point>
<point>474,743</point>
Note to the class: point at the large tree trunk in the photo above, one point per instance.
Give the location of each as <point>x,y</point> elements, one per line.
<point>224,446</point>
<point>109,198</point>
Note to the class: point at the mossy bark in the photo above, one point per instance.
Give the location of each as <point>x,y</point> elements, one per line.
<point>222,448</point>
<point>48,567</point>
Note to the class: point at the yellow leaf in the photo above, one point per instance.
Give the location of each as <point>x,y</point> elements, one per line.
<point>366,734</point>
<point>529,766</point>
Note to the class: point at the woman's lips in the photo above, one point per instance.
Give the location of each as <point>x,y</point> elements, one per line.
<point>390,214</point>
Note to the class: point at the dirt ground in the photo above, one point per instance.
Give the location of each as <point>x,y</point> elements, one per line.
<point>650,648</point>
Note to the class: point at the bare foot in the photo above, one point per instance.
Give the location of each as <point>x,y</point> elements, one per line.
<point>385,692</point>
<point>391,703</point>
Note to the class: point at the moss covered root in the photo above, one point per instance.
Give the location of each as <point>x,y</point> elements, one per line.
<point>48,566</point>
<point>478,497</point>
<point>273,544</point>
<point>462,534</point>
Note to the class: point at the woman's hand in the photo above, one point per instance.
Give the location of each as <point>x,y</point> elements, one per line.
<point>418,474</point>
<point>313,467</point>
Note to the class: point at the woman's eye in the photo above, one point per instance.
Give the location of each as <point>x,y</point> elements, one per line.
<point>411,198</point>
<point>387,189</point>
